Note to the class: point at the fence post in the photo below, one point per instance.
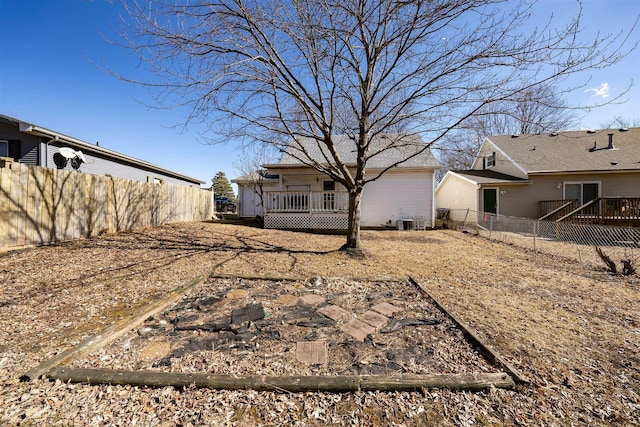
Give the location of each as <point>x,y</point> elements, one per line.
<point>535,233</point>
<point>465,219</point>
<point>490,225</point>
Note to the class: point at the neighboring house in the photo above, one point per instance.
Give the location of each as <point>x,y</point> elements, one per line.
<point>554,176</point>
<point>37,146</point>
<point>297,196</point>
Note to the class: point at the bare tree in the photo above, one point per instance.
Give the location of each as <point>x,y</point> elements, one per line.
<point>276,70</point>
<point>249,165</point>
<point>622,122</point>
<point>538,109</point>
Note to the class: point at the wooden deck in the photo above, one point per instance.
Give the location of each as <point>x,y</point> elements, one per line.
<point>622,211</point>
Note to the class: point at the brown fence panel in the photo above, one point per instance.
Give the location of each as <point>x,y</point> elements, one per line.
<point>43,206</point>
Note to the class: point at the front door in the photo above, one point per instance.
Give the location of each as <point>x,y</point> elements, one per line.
<point>490,200</point>
<point>328,196</point>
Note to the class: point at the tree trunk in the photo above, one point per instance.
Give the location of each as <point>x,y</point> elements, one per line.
<point>353,230</point>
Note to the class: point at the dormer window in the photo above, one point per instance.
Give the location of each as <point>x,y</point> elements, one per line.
<point>490,161</point>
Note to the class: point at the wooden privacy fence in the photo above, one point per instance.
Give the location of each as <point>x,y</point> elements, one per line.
<point>43,206</point>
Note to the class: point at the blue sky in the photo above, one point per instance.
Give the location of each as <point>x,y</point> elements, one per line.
<point>48,77</point>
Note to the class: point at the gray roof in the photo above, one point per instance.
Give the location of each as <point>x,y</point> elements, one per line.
<point>384,150</point>
<point>253,177</point>
<point>575,151</point>
<point>490,177</point>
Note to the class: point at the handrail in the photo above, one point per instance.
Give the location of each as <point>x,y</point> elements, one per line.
<point>553,212</point>
<point>578,209</point>
<point>306,202</point>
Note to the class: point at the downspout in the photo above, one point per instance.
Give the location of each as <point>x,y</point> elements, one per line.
<point>46,150</point>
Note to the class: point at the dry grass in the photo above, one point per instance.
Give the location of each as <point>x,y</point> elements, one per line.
<point>574,331</point>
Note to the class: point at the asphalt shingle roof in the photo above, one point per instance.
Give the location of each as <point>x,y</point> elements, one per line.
<point>382,155</point>
<point>489,177</point>
<point>573,151</point>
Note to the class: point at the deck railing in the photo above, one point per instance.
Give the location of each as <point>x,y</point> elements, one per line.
<point>306,202</point>
<point>550,210</point>
<point>605,209</point>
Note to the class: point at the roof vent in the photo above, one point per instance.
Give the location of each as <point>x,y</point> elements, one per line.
<point>614,163</point>
<point>591,131</point>
<point>623,130</point>
<point>610,146</point>
<point>594,148</point>
<point>553,134</point>
<point>514,136</point>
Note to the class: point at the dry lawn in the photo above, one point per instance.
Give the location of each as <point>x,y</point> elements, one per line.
<point>572,330</point>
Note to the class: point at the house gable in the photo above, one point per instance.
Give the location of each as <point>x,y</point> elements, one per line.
<point>492,157</point>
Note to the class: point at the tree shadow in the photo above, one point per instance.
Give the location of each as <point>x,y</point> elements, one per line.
<point>172,244</point>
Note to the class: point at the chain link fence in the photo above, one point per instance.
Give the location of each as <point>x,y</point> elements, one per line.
<point>566,239</point>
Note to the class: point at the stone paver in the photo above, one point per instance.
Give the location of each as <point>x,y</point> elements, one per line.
<point>287,299</point>
<point>312,352</point>
<point>374,319</point>
<point>357,329</point>
<point>312,299</point>
<point>386,309</point>
<point>334,312</point>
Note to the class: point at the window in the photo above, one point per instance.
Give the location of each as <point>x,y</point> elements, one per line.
<point>583,192</point>
<point>490,161</point>
<point>10,148</point>
<point>328,185</point>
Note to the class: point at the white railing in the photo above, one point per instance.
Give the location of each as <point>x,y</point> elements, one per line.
<point>306,202</point>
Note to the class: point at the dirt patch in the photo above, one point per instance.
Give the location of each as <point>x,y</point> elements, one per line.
<point>209,332</point>
<point>572,330</point>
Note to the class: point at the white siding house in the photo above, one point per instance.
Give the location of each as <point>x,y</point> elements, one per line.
<point>297,196</point>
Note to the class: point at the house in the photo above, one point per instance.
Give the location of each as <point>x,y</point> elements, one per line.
<point>297,196</point>
<point>250,186</point>
<point>37,146</point>
<point>551,176</point>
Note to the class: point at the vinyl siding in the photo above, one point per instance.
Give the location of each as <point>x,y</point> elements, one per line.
<point>100,165</point>
<point>397,195</point>
<point>28,143</point>
<point>523,200</point>
<point>457,193</point>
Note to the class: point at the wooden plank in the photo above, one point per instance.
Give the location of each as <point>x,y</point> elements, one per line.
<point>332,384</point>
<point>4,209</point>
<point>475,339</point>
<point>15,203</point>
<point>111,333</point>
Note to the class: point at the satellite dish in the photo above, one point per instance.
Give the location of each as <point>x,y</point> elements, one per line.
<point>67,153</point>
<point>80,155</point>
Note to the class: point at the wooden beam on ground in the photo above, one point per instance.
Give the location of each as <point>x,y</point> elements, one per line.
<point>110,334</point>
<point>333,384</point>
<point>474,338</point>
